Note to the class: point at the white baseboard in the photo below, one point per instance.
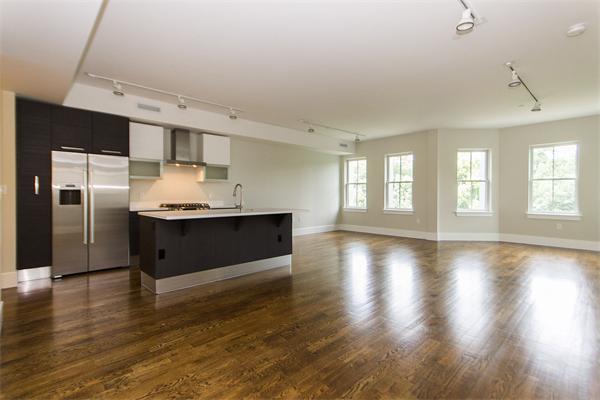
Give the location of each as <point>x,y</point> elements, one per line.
<point>472,237</point>
<point>388,231</point>
<point>314,229</point>
<point>8,279</point>
<point>550,241</point>
<point>476,237</point>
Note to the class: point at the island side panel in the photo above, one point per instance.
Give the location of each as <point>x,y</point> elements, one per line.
<point>191,245</point>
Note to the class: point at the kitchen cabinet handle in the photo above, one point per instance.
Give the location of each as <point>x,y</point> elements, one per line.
<point>85,207</point>
<point>92,211</point>
<point>72,148</point>
<point>36,185</point>
<point>110,151</point>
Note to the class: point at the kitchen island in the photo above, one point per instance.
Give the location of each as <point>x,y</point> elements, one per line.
<point>180,249</point>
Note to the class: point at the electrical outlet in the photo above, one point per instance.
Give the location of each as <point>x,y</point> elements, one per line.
<point>558,226</point>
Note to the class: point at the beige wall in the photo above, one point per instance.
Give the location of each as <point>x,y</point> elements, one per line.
<point>424,219</point>
<point>8,274</point>
<point>435,185</point>
<point>273,175</point>
<point>514,166</point>
<point>449,142</point>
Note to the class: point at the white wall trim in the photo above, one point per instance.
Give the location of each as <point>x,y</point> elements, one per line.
<point>468,236</point>
<point>476,237</point>
<point>388,231</point>
<point>308,230</point>
<point>551,241</point>
<point>8,279</point>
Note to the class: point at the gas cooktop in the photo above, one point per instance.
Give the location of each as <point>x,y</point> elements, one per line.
<point>185,206</point>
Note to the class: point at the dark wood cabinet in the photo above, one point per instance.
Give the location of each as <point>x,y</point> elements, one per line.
<point>41,128</point>
<point>110,134</point>
<point>34,180</point>
<point>71,129</point>
<point>134,233</point>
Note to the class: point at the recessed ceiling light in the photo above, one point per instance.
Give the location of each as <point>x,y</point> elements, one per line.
<point>576,30</point>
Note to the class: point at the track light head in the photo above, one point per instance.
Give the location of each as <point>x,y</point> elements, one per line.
<point>466,23</point>
<point>181,103</point>
<point>118,89</point>
<point>232,114</point>
<point>356,139</point>
<point>515,81</point>
<point>537,107</point>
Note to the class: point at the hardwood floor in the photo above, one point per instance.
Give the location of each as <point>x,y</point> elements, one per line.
<point>362,316</point>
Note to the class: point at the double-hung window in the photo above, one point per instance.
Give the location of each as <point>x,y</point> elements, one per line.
<point>399,182</point>
<point>473,181</point>
<point>356,184</point>
<point>553,179</point>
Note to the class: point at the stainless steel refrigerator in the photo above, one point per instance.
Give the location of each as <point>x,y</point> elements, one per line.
<point>90,212</point>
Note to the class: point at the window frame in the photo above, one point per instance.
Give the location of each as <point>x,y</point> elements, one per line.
<point>386,158</point>
<point>488,210</point>
<point>531,213</point>
<point>346,183</point>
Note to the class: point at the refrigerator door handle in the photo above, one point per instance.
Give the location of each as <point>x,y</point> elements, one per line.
<point>85,207</point>
<point>36,185</point>
<point>92,219</point>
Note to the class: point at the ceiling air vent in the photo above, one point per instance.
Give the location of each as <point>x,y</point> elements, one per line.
<point>148,107</point>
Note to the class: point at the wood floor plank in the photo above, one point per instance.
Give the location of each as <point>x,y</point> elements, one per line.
<point>361,316</point>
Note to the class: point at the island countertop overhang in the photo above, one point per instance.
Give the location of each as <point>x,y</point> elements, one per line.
<point>200,214</point>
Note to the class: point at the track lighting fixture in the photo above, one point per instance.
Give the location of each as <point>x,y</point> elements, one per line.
<point>537,107</point>
<point>311,129</point>
<point>181,99</point>
<point>466,23</point>
<point>117,89</point>
<point>181,103</point>
<point>356,139</point>
<point>517,81</point>
<point>468,19</point>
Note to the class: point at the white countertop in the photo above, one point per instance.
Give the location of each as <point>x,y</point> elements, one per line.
<point>198,214</point>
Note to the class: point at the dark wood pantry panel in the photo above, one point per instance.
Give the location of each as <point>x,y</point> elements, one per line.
<point>34,180</point>
<point>110,134</point>
<point>71,129</point>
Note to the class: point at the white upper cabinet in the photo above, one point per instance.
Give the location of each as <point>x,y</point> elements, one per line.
<point>146,142</point>
<point>215,149</point>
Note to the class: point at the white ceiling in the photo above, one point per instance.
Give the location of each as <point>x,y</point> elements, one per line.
<point>378,67</point>
<point>41,44</point>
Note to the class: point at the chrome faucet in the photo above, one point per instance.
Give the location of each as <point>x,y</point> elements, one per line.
<point>239,185</point>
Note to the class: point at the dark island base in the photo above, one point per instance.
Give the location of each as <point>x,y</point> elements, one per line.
<point>175,254</point>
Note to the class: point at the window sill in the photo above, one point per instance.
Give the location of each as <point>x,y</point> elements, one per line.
<point>473,213</point>
<point>568,217</point>
<point>399,212</point>
<point>356,210</point>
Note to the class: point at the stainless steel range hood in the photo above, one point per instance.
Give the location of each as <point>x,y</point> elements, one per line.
<point>184,148</point>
